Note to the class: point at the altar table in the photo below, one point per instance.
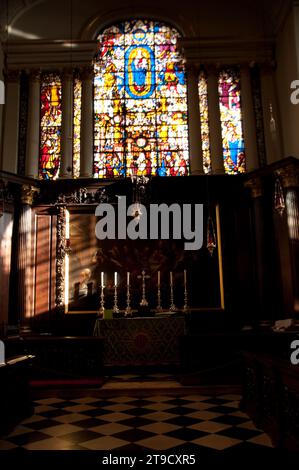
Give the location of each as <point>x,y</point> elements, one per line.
<point>137,341</point>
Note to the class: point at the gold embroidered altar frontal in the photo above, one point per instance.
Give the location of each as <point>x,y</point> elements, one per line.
<point>134,341</point>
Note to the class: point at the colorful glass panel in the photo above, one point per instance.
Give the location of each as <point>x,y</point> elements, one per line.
<point>140,102</point>
<point>77,127</point>
<point>231,122</point>
<point>50,129</point>
<point>204,122</point>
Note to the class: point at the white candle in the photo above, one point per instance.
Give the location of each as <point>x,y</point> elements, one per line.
<point>185,276</point>
<point>128,278</point>
<point>159,279</point>
<point>171,279</point>
<point>115,278</point>
<point>102,279</point>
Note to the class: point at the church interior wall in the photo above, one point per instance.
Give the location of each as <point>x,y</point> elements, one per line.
<point>286,72</point>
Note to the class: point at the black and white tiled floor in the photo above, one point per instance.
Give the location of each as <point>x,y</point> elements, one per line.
<point>132,424</point>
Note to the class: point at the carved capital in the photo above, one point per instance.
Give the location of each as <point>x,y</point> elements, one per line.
<point>67,74</point>
<point>27,194</point>
<point>212,70</point>
<point>12,75</point>
<point>34,75</point>
<point>87,73</point>
<point>192,68</point>
<point>289,176</point>
<point>255,186</point>
<point>268,67</point>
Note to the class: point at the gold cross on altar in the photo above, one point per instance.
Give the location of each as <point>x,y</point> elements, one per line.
<point>144,302</point>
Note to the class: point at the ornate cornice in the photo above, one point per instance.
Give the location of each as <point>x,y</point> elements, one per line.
<point>6,196</point>
<point>82,196</point>
<point>255,186</point>
<point>27,194</point>
<point>49,55</point>
<point>289,175</point>
<point>223,51</point>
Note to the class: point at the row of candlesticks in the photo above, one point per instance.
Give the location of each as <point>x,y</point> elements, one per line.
<point>144,302</point>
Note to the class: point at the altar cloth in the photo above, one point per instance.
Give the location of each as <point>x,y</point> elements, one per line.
<point>137,341</point>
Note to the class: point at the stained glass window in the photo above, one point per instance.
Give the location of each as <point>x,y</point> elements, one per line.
<point>140,102</point>
<point>231,122</point>
<point>50,129</point>
<point>77,127</point>
<point>204,122</point>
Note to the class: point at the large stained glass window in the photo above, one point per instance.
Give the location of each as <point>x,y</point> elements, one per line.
<point>204,122</point>
<point>231,122</point>
<point>50,129</point>
<point>140,102</point>
<point>77,126</point>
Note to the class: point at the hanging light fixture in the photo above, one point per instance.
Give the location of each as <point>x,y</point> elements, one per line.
<point>140,193</point>
<point>279,201</point>
<point>211,235</point>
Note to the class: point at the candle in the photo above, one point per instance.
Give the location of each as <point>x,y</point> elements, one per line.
<point>185,276</point>
<point>102,279</point>
<point>171,279</point>
<point>67,224</point>
<point>115,278</point>
<point>159,279</point>
<point>128,278</point>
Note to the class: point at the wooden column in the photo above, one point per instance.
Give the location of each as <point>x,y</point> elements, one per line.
<point>290,180</point>
<point>24,288</point>
<point>265,269</point>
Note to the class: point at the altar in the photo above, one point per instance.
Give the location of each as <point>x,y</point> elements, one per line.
<point>141,341</point>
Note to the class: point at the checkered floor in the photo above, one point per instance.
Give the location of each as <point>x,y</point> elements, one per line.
<point>132,424</point>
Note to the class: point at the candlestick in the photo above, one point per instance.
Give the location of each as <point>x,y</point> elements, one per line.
<point>102,308</point>
<point>128,311</point>
<point>172,305</point>
<point>115,306</point>
<point>159,306</point>
<point>185,308</point>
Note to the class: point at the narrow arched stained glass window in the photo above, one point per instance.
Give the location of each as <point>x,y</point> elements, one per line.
<point>140,102</point>
<point>204,122</point>
<point>231,122</point>
<point>77,126</point>
<point>50,128</point>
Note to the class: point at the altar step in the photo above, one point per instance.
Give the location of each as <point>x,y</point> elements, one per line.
<point>160,383</point>
<point>135,382</point>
